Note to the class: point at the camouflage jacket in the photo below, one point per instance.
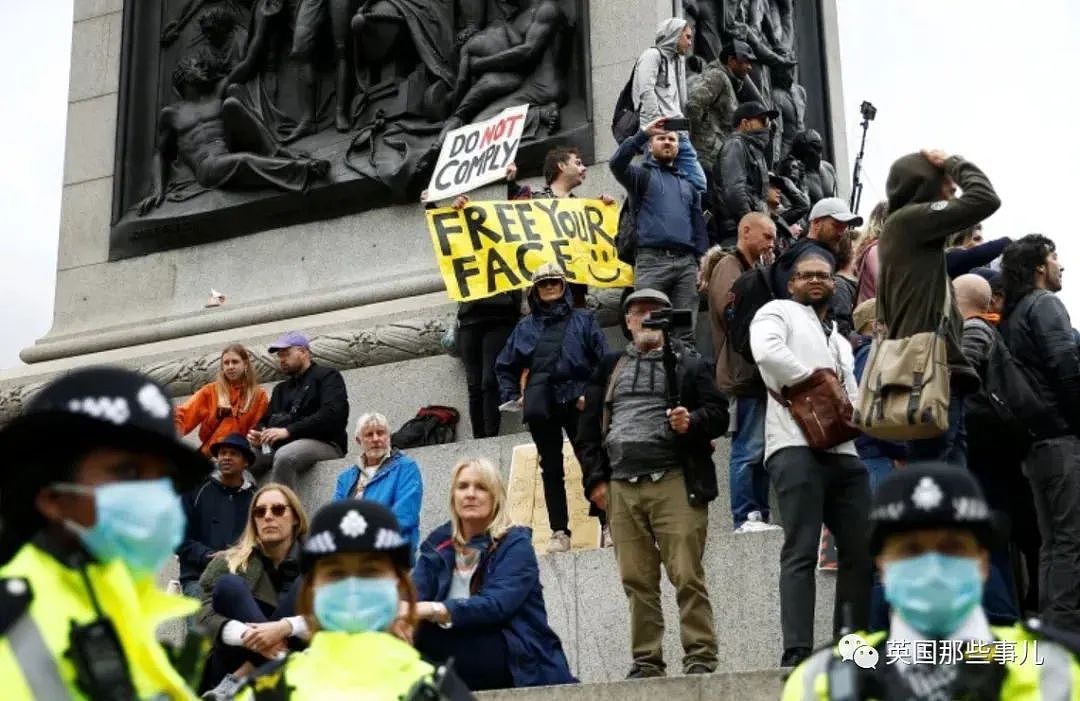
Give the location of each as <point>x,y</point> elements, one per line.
<point>710,107</point>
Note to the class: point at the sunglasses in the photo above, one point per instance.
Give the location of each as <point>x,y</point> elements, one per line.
<point>550,282</point>
<point>812,275</point>
<point>278,510</point>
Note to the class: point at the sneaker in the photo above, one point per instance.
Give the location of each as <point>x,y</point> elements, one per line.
<point>226,689</point>
<point>755,524</point>
<point>559,543</point>
<point>698,668</point>
<point>605,537</point>
<point>641,671</point>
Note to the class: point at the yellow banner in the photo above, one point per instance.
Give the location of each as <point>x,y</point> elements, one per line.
<point>491,247</point>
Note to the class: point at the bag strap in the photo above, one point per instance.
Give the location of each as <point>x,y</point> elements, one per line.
<point>609,393</point>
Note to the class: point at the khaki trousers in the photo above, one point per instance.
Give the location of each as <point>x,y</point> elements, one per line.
<point>653,523</point>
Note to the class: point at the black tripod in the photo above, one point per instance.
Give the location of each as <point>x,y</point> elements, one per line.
<point>868,114</point>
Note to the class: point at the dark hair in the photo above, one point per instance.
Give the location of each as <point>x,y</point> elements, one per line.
<point>556,157</point>
<point>727,52</point>
<point>814,254</point>
<point>845,249</point>
<point>1018,264</point>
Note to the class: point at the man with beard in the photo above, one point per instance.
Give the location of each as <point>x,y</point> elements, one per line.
<point>741,174</point>
<point>805,165</point>
<point>305,422</point>
<point>790,340</point>
<point>724,84</point>
<point>650,467</point>
<point>1039,334</point>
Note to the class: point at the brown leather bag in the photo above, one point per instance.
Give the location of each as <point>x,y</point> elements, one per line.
<point>821,408</point>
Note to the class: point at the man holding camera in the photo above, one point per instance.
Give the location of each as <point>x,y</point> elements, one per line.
<point>305,421</point>
<point>645,449</point>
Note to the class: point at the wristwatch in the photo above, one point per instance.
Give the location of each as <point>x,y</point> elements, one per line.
<point>440,612</point>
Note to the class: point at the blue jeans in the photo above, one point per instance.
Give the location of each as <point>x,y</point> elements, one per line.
<point>748,480</point>
<point>879,468</point>
<point>687,162</point>
<point>951,446</point>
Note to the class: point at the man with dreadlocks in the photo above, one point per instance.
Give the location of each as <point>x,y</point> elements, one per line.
<point>219,139</point>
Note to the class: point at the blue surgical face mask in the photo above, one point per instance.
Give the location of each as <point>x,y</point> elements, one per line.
<point>357,604</point>
<point>140,522</point>
<point>934,593</point>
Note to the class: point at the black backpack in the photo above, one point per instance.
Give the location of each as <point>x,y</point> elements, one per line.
<point>625,121</point>
<point>752,291</point>
<point>626,238</point>
<point>432,425</point>
<point>1006,411</point>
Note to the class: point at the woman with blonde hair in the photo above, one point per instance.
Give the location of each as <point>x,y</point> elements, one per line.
<point>250,590</point>
<point>866,253</point>
<point>233,403</point>
<point>478,582</point>
<point>355,585</point>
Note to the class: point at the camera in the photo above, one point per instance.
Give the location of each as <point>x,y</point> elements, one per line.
<point>868,111</point>
<point>667,319</point>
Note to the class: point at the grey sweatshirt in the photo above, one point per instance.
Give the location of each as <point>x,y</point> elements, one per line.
<point>639,440</point>
<point>660,93</point>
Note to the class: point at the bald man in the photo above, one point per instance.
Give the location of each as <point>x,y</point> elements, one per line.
<point>972,295</point>
<point>737,377</point>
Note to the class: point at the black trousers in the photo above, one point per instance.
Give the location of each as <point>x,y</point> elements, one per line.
<point>815,487</point>
<point>548,437</point>
<point>480,656</point>
<point>479,345</point>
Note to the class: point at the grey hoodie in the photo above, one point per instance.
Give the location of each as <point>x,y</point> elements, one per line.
<point>657,92</point>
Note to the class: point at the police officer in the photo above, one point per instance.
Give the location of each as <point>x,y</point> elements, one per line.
<point>356,588</point>
<point>88,500</point>
<point>931,535</point>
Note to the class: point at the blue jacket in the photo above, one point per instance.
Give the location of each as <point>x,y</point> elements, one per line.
<point>583,347</point>
<point>669,215</point>
<point>509,596</point>
<point>397,486</point>
<point>216,516</point>
<point>866,446</point>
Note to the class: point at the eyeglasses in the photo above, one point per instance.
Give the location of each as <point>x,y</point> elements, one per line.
<point>278,510</point>
<point>550,282</point>
<point>812,275</point>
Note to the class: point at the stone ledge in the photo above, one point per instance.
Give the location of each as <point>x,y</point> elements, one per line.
<point>746,686</point>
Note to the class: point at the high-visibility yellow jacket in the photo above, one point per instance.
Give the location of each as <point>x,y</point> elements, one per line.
<point>1056,679</point>
<point>41,597</point>
<point>339,666</point>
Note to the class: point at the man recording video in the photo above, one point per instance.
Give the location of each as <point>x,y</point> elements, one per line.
<point>651,411</point>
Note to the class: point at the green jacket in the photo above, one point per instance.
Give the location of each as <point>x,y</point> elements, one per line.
<point>710,108</point>
<point>1056,679</point>
<point>254,575</point>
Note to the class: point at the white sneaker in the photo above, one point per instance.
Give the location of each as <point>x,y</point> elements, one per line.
<point>605,537</point>
<point>226,689</point>
<point>755,524</point>
<point>559,543</point>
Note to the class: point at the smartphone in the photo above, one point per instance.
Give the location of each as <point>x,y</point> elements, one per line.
<point>677,124</point>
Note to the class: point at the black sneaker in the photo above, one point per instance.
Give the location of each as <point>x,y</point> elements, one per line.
<point>794,656</point>
<point>640,671</point>
<point>698,668</point>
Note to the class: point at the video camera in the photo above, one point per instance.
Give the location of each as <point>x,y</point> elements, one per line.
<point>868,111</point>
<point>668,319</point>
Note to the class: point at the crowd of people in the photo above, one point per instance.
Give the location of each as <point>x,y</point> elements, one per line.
<point>956,522</point>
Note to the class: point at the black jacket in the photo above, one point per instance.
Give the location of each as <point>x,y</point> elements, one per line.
<point>503,309</point>
<point>1039,334</point>
<point>312,405</point>
<point>708,420</point>
<point>740,179</point>
<point>216,516</point>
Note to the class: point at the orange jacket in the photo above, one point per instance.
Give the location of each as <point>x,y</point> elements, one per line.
<point>201,410</point>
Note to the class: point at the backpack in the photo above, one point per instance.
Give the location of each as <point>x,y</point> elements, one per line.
<point>626,120</point>
<point>1006,410</point>
<point>432,425</point>
<point>626,237</point>
<point>752,291</point>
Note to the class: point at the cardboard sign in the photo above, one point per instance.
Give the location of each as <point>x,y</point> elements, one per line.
<point>477,154</point>
<point>490,247</point>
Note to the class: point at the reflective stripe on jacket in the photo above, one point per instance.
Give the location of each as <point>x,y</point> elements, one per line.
<point>33,660</point>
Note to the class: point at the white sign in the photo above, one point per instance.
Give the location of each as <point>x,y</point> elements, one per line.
<point>477,154</point>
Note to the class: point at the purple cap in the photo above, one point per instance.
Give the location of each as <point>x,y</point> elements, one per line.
<point>293,339</point>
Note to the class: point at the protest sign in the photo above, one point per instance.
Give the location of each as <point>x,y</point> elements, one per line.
<point>477,154</point>
<point>491,247</point>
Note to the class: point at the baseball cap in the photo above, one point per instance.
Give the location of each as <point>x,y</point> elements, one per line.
<point>293,339</point>
<point>739,49</point>
<point>930,495</point>
<point>749,110</point>
<point>835,208</point>
<point>646,295</point>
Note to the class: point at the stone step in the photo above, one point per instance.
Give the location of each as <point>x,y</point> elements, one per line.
<point>759,685</point>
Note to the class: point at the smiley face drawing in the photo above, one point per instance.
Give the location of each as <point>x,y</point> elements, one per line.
<point>849,644</point>
<point>604,259</point>
<point>866,657</point>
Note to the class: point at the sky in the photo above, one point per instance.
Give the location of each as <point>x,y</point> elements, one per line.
<point>982,78</point>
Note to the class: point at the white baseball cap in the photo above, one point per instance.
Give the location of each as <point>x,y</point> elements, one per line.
<point>837,209</point>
